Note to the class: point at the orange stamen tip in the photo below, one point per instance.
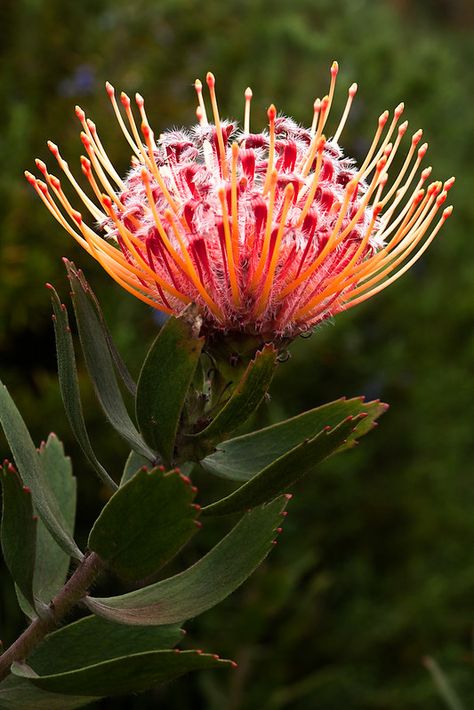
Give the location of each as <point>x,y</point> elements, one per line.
<point>352,90</point>
<point>210,80</point>
<point>449,183</point>
<point>248,93</point>
<point>85,141</point>
<point>125,99</point>
<point>388,149</point>
<point>271,113</point>
<point>77,217</point>
<point>41,166</point>
<point>80,113</point>
<point>426,173</point>
<point>109,89</point>
<point>377,209</point>
<point>85,165</point>
<point>334,68</point>
<point>324,103</point>
<point>417,136</point>
<point>30,177</point>
<point>399,110</point>
<point>53,148</point>
<point>221,193</point>
<point>383,118</point>
<point>42,186</point>
<point>441,199</point>
<point>422,151</point>
<point>448,212</point>
<point>55,182</point>
<point>106,201</point>
<point>351,186</point>
<point>235,149</point>
<point>198,85</point>
<point>317,105</point>
<point>199,113</point>
<point>145,128</point>
<point>402,128</point>
<point>419,196</point>
<point>381,163</point>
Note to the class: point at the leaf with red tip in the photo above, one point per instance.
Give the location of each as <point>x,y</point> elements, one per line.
<point>243,457</point>
<point>207,582</point>
<point>100,363</point>
<point>286,470</point>
<point>18,530</point>
<point>133,464</point>
<point>31,472</point>
<point>164,382</point>
<point>129,674</point>
<point>145,523</point>
<point>245,399</point>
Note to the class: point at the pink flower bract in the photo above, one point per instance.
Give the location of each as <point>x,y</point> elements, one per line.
<point>268,233</point>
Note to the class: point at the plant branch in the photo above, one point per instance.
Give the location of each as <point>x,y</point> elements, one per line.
<point>73,591</point>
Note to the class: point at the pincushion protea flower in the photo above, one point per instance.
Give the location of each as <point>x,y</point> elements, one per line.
<point>268,233</point>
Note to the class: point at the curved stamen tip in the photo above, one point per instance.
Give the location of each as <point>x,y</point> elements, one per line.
<point>426,173</point>
<point>248,93</point>
<point>53,148</point>
<point>417,136</point>
<point>30,177</point>
<point>399,110</point>
<point>448,212</point>
<point>352,90</point>
<point>402,128</point>
<point>199,114</point>
<point>77,217</point>
<point>109,89</point>
<point>449,183</point>
<point>383,118</point>
<point>125,99</point>
<point>41,166</point>
<point>198,85</point>
<point>210,79</point>
<point>271,113</point>
<point>80,113</point>
<point>139,100</point>
<point>334,68</point>
<point>422,150</point>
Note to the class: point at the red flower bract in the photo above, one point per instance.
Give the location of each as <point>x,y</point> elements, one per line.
<point>268,233</point>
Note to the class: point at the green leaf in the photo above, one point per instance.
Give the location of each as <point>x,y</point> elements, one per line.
<point>129,674</point>
<point>133,464</point>
<point>207,582</point>
<point>285,471</point>
<point>100,364</point>
<point>19,526</point>
<point>95,640</point>
<point>245,399</point>
<point>119,363</point>
<point>69,385</point>
<point>164,382</point>
<point>243,457</point>
<point>145,523</point>
<point>52,563</point>
<point>21,694</point>
<point>31,472</point>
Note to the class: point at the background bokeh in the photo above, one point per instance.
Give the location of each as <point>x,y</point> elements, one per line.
<point>375,568</point>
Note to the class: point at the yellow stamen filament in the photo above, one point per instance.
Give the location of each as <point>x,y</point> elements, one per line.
<point>334,72</point>
<point>248,98</point>
<point>228,248</point>
<point>314,182</point>
<point>350,98</point>
<point>268,231</point>
<point>271,113</point>
<point>261,304</point>
<point>307,161</point>
<point>367,167</point>
<point>111,92</point>
<point>91,131</point>
<point>233,193</point>
<point>211,82</point>
<point>100,173</point>
<point>316,110</point>
<point>404,168</point>
<point>202,107</point>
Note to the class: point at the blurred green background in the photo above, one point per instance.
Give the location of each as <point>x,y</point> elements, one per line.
<point>375,568</point>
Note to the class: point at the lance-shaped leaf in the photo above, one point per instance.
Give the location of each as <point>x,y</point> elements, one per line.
<point>245,399</point>
<point>207,582</point>
<point>243,457</point>
<point>129,674</point>
<point>285,471</point>
<point>19,527</point>
<point>69,385</point>
<point>164,382</point>
<point>100,365</point>
<point>95,640</point>
<point>133,464</point>
<point>31,472</point>
<point>119,363</point>
<point>145,523</point>
<point>20,694</point>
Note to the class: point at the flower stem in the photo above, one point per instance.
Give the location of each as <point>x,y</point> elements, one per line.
<point>73,591</point>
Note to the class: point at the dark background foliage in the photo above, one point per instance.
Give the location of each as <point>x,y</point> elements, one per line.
<point>375,568</point>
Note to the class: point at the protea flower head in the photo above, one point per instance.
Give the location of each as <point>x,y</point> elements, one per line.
<point>267,233</point>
